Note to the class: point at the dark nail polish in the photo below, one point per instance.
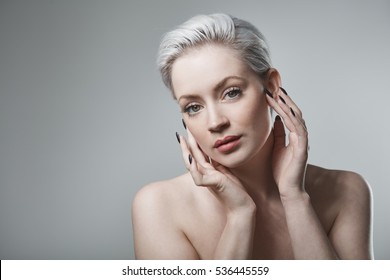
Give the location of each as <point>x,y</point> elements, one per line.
<point>292,111</point>
<point>277,118</point>
<point>190,158</point>
<point>267,92</point>
<point>184,124</point>
<point>284,91</point>
<point>178,137</point>
<point>281,98</point>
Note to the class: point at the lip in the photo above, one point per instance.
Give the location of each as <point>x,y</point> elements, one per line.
<point>227,144</point>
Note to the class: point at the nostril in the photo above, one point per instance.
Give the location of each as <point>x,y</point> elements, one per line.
<point>218,126</point>
<point>217,120</point>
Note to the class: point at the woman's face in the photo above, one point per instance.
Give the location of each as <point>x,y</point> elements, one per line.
<point>222,102</point>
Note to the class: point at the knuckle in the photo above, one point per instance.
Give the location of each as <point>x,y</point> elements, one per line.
<point>219,188</point>
<point>220,185</point>
<point>197,180</point>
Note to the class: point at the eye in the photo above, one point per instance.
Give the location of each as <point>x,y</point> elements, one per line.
<point>232,93</point>
<point>192,109</point>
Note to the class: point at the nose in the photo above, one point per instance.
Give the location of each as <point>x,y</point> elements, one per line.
<point>217,120</point>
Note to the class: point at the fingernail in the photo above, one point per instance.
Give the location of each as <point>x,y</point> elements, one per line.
<point>292,111</point>
<point>190,158</point>
<point>178,137</point>
<point>267,92</point>
<point>184,124</point>
<point>281,98</point>
<point>277,118</point>
<point>284,91</point>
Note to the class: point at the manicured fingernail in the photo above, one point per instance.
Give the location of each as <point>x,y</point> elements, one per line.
<point>277,118</point>
<point>190,158</point>
<point>284,91</point>
<point>178,137</point>
<point>184,124</point>
<point>267,92</point>
<point>292,111</point>
<point>281,98</point>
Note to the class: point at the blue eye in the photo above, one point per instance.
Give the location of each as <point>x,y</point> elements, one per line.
<point>192,109</point>
<point>232,93</point>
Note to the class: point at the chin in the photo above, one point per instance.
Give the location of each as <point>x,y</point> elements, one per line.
<point>234,160</point>
<point>239,158</point>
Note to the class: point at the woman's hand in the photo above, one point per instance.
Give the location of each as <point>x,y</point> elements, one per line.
<point>308,238</point>
<point>236,240</point>
<point>207,173</point>
<point>289,161</point>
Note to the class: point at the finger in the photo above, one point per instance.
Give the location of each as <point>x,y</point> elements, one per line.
<point>196,152</point>
<point>298,128</point>
<point>283,93</point>
<point>196,171</point>
<point>291,120</point>
<point>205,178</point>
<point>299,138</point>
<point>184,150</point>
<point>207,158</point>
<point>196,175</point>
<point>299,125</point>
<point>287,98</point>
<point>279,133</point>
<point>282,110</point>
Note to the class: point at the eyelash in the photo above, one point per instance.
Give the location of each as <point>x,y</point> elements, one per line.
<point>189,107</point>
<point>233,90</point>
<point>237,91</point>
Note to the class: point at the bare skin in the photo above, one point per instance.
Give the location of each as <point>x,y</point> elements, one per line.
<point>251,198</point>
<point>181,221</point>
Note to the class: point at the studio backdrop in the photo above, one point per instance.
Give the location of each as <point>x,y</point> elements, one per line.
<point>85,120</point>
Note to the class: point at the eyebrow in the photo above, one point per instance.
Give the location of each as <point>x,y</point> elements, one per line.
<point>215,89</point>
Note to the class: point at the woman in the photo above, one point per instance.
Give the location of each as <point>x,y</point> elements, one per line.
<point>249,193</point>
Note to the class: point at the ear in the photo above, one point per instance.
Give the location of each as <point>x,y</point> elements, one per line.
<point>273,81</point>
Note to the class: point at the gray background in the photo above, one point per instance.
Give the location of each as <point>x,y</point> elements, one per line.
<point>85,120</point>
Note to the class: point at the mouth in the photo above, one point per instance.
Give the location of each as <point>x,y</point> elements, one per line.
<point>227,144</point>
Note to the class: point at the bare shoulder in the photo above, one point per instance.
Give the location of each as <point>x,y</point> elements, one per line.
<point>158,211</point>
<point>343,202</point>
<point>338,185</point>
<point>162,196</point>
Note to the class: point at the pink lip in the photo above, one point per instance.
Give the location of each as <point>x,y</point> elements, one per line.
<point>227,144</point>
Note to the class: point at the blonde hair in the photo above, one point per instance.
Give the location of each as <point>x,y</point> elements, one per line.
<point>236,33</point>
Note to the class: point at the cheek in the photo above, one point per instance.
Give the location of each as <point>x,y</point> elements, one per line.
<point>199,131</point>
<point>254,114</point>
<point>251,117</point>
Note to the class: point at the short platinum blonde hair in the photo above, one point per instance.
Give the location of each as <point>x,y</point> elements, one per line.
<point>224,29</point>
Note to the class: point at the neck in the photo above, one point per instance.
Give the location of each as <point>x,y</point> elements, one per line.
<point>257,175</point>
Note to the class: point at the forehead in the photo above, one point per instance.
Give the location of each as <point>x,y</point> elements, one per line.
<point>200,69</point>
